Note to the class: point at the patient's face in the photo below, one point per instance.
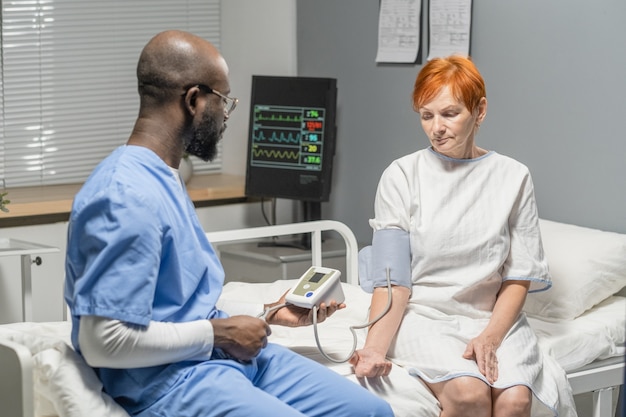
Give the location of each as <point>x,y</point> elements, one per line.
<point>450,125</point>
<point>205,137</point>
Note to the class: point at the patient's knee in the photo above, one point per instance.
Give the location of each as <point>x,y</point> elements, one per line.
<point>472,400</point>
<point>465,397</point>
<point>512,402</point>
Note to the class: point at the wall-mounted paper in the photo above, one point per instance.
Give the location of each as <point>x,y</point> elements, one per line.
<point>450,22</point>
<point>399,31</point>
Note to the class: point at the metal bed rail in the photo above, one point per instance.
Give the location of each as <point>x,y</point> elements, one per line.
<point>314,228</point>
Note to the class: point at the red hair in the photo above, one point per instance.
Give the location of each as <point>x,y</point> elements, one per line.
<point>456,71</point>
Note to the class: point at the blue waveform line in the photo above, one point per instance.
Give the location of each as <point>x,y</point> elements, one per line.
<point>278,138</point>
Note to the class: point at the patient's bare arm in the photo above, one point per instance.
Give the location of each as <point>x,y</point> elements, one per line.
<point>371,361</point>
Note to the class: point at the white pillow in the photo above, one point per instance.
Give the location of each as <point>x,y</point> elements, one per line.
<point>587,266</point>
<point>64,385</point>
<point>71,385</point>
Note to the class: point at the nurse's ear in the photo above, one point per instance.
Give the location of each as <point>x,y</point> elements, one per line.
<point>190,100</point>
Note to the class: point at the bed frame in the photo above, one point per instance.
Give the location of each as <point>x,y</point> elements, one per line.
<point>16,380</point>
<point>602,378</point>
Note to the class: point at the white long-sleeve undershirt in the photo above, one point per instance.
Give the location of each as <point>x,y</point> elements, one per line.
<point>109,343</point>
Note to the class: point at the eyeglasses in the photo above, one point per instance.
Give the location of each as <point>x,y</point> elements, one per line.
<point>229,103</point>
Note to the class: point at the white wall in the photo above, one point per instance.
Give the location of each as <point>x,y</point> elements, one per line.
<point>257,38</point>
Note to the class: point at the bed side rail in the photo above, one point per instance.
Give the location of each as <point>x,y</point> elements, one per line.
<point>603,379</point>
<point>314,228</point>
<point>16,384</point>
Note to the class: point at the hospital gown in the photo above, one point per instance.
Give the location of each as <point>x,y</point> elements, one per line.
<point>137,253</point>
<point>473,224</point>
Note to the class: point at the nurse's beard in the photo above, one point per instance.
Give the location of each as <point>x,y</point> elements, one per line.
<point>203,143</point>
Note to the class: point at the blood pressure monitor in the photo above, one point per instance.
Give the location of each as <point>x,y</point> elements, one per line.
<point>317,285</point>
<point>322,285</point>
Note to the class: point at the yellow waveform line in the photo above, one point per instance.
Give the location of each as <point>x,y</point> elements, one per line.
<point>275,154</point>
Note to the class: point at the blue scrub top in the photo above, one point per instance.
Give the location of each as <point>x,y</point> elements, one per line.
<point>136,252</point>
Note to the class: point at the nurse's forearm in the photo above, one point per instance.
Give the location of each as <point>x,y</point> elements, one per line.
<point>382,332</point>
<point>107,343</point>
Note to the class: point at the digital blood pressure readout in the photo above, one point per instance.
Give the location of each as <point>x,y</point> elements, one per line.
<point>316,285</point>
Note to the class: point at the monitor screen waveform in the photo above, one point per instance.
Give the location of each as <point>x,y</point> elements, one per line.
<point>287,137</point>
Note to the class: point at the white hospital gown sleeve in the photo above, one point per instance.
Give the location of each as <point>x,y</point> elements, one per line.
<point>109,343</point>
<point>393,200</point>
<point>526,259</point>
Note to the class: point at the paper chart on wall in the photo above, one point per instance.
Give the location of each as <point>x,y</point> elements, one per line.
<point>399,31</point>
<point>449,27</point>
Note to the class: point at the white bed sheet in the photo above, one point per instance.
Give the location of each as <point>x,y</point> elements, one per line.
<point>599,333</point>
<point>64,382</point>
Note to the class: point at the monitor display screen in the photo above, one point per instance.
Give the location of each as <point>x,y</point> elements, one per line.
<point>291,141</point>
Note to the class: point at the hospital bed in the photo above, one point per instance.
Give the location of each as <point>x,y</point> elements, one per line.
<point>41,375</point>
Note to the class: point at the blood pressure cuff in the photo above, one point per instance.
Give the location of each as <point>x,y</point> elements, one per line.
<point>390,250</point>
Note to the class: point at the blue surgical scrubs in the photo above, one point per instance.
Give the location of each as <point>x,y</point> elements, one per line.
<point>136,252</point>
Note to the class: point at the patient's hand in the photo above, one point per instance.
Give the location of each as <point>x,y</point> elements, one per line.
<point>293,316</point>
<point>370,364</point>
<point>483,349</point>
<point>242,337</point>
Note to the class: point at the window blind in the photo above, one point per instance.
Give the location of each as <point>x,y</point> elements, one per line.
<point>68,80</point>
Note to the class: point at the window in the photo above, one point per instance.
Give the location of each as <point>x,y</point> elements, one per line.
<point>68,84</point>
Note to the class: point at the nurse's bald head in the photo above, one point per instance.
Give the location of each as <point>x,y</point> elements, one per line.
<point>173,61</point>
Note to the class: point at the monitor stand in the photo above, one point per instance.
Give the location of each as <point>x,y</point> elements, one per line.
<point>311,211</point>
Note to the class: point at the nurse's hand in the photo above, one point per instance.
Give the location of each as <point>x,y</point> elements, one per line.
<point>242,337</point>
<point>293,316</point>
<point>370,364</point>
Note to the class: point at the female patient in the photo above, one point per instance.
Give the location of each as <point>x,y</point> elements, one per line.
<point>456,229</point>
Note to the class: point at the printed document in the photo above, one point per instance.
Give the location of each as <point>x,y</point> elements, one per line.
<point>449,27</point>
<point>399,31</point>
